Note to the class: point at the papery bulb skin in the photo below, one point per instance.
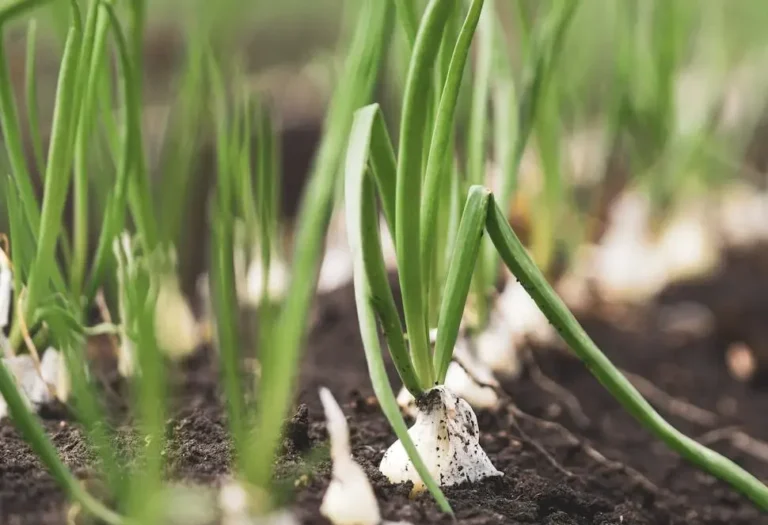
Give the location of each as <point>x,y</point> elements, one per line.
<point>6,291</point>
<point>514,321</point>
<point>626,267</point>
<point>176,328</point>
<point>349,499</point>
<point>458,381</point>
<point>688,246</point>
<point>336,270</point>
<point>236,504</point>
<point>34,391</point>
<point>126,358</point>
<point>743,215</point>
<point>467,377</point>
<point>252,291</point>
<point>53,369</point>
<point>447,437</point>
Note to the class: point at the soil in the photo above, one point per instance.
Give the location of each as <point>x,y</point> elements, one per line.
<point>569,453</point>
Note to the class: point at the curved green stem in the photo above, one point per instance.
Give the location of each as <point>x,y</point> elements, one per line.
<point>517,260</point>
<point>410,153</point>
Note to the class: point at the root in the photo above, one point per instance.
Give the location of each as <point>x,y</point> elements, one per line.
<point>655,395</point>
<point>593,453</point>
<point>670,404</point>
<point>540,448</point>
<point>756,448</point>
<point>561,393</point>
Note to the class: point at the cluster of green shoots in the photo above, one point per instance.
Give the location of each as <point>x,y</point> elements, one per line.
<point>54,306</point>
<point>443,252</point>
<point>412,185</point>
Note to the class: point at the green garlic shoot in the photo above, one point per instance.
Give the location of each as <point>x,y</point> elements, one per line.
<point>177,331</point>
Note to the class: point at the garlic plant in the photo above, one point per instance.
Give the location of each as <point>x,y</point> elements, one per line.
<point>349,499</point>
<point>632,264</point>
<point>177,330</point>
<point>40,381</point>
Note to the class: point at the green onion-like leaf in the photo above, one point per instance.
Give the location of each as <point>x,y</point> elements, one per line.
<point>360,70</point>
<point>57,176</point>
<point>114,215</point>
<point>369,143</point>
<point>224,299</point>
<point>90,62</point>
<point>30,79</point>
<point>459,278</point>
<point>409,179</point>
<point>440,148</point>
<point>372,292</point>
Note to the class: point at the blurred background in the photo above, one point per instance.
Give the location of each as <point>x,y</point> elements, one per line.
<point>667,94</point>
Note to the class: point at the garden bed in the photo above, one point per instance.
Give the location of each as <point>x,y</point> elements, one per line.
<point>569,452</point>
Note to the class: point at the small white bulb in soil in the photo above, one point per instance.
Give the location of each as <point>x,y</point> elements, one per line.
<point>53,371</point>
<point>625,265</point>
<point>176,327</point>
<point>743,215</point>
<point>126,357</point>
<point>6,290</point>
<point>514,321</point>
<point>688,245</point>
<point>446,436</point>
<point>277,281</point>
<point>574,286</point>
<point>349,499</point>
<point>335,270</point>
<point>236,509</point>
<point>41,386</point>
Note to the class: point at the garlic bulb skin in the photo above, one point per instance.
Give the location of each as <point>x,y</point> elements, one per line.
<point>743,215</point>
<point>458,381</point>
<point>234,502</point>
<point>349,499</point>
<point>515,320</point>
<point>53,369</point>
<point>336,270</point>
<point>33,390</point>
<point>126,357</point>
<point>6,290</point>
<point>446,435</point>
<point>625,265</point>
<point>688,246</point>
<point>467,377</point>
<point>176,327</point>
<point>252,292</point>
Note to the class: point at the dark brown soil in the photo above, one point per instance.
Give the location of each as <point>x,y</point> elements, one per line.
<point>569,456</point>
